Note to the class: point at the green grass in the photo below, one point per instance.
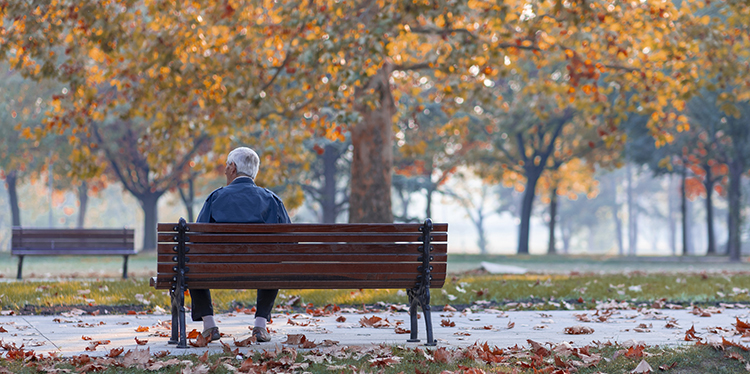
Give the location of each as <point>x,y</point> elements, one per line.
<point>690,359</point>
<point>532,291</point>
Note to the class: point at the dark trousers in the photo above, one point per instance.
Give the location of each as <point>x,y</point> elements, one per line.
<point>202,306</point>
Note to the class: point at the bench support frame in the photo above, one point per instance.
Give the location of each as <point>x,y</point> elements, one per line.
<point>179,286</point>
<point>419,296</point>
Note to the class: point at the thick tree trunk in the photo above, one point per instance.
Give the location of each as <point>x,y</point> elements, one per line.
<point>552,220</point>
<point>735,201</point>
<point>709,184</point>
<point>83,202</point>
<point>11,181</point>
<point>372,156</point>
<point>616,217</point>
<point>149,204</point>
<point>684,211</point>
<point>532,177</point>
<point>188,198</point>
<point>328,200</point>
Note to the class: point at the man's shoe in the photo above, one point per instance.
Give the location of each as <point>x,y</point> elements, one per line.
<point>211,333</point>
<point>261,334</point>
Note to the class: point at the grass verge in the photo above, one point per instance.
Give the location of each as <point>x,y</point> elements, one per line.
<point>539,292</point>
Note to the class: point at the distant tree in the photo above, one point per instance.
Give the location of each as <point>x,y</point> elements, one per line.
<point>326,183</point>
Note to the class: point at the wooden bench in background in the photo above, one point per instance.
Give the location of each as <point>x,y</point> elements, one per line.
<point>409,256</point>
<point>69,242</point>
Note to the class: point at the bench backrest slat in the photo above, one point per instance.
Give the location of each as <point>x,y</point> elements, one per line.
<point>289,248</point>
<point>303,227</point>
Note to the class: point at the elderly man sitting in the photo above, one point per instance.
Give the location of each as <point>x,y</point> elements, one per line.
<point>240,201</point>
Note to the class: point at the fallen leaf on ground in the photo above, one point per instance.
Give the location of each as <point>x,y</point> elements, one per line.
<point>400,330</point>
<point>200,341</point>
<point>511,325</point>
<point>246,342</point>
<point>384,361</point>
<point>193,334</point>
<point>140,342</point>
<point>447,323</point>
<point>668,367</point>
<point>690,334</point>
<point>295,339</point>
<point>341,319</point>
<point>643,367</point>
<point>448,308</point>
<point>578,330</point>
<point>114,352</point>
<point>85,337</point>
<point>142,329</point>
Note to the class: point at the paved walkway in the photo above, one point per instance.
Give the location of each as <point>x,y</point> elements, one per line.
<point>72,333</point>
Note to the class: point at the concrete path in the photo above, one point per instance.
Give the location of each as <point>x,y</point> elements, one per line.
<point>68,334</point>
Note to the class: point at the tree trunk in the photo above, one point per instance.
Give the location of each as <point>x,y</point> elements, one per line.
<point>188,198</point>
<point>552,220</point>
<point>709,184</point>
<point>372,156</point>
<point>670,217</point>
<point>428,209</point>
<point>616,216</point>
<point>482,241</point>
<point>11,181</point>
<point>149,204</point>
<point>83,202</point>
<point>328,200</point>
<point>683,210</point>
<point>632,237</point>
<point>735,201</point>
<point>527,204</point>
<point>565,232</point>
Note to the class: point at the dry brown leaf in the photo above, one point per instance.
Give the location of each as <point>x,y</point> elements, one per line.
<point>203,358</point>
<point>635,351</point>
<point>329,343</point>
<point>511,325</point>
<point>200,341</point>
<point>741,326</point>
<point>341,319</point>
<point>642,368</point>
<point>578,330</point>
<point>443,355</point>
<point>85,337</point>
<point>400,330</point>
<point>308,344</point>
<point>447,323</point>
<point>246,342</point>
<point>193,334</point>
<point>668,367</point>
<point>295,339</point>
<point>136,357</point>
<point>690,334</point>
<point>142,329</point>
<point>448,308</point>
<point>141,342</point>
<point>114,352</point>
<point>246,365</point>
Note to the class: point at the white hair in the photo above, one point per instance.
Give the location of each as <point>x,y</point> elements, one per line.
<point>246,161</point>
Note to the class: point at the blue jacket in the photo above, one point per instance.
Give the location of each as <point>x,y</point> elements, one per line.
<point>243,202</point>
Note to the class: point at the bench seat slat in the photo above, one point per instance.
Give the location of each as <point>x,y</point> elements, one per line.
<point>72,251</point>
<point>306,284</point>
<point>301,227</point>
<point>303,257</point>
<point>296,238</point>
<point>294,268</point>
<point>293,248</point>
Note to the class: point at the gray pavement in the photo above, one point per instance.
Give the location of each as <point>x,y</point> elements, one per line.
<point>66,334</point>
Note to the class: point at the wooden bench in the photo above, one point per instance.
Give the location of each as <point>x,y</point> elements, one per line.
<point>69,242</point>
<point>301,256</point>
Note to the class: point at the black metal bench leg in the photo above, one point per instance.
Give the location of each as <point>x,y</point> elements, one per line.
<point>181,317</point>
<point>428,325</point>
<point>175,319</point>
<point>125,267</point>
<point>414,337</point>
<point>20,265</point>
